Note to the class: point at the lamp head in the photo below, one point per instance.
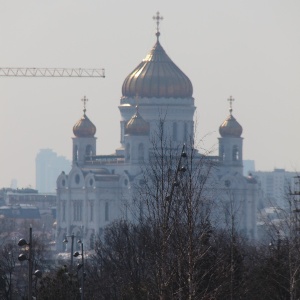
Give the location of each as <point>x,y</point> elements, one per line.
<point>76,254</point>
<point>183,154</point>
<point>175,183</point>
<point>182,169</point>
<point>22,242</point>
<point>38,273</point>
<point>22,257</point>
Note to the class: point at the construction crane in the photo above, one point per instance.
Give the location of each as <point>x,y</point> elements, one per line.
<point>51,72</point>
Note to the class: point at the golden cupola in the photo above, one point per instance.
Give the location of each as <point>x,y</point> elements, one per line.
<point>84,127</point>
<point>230,127</point>
<point>137,125</point>
<point>157,76</point>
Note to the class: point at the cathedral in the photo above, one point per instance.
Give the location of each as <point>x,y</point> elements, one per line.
<point>96,190</point>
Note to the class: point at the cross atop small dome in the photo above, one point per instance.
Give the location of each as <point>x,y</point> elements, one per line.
<point>157,18</point>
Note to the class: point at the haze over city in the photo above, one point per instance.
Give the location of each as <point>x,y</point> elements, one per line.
<point>249,50</point>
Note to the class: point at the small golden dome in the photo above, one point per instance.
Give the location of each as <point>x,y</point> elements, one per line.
<point>230,127</point>
<point>84,127</point>
<point>137,125</point>
<point>157,76</point>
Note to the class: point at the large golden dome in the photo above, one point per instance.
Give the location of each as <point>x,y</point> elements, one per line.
<point>137,125</point>
<point>157,76</point>
<point>84,127</point>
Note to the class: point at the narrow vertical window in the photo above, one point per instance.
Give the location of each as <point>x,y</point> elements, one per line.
<point>92,241</point>
<point>77,208</point>
<point>127,152</point>
<point>122,131</point>
<point>235,153</point>
<point>174,131</point>
<point>75,211</point>
<point>92,211</point>
<point>106,212</point>
<point>141,151</point>
<point>75,153</point>
<point>63,211</point>
<point>88,150</point>
<point>185,132</point>
<point>222,153</point>
<point>80,211</point>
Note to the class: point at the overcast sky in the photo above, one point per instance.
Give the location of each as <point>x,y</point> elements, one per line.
<point>247,49</point>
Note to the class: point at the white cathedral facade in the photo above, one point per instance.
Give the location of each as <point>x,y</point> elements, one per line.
<point>96,190</point>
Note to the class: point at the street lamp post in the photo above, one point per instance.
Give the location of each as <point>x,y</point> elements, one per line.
<point>65,241</point>
<point>76,254</point>
<point>22,257</point>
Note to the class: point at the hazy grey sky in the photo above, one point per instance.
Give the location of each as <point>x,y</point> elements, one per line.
<point>247,49</point>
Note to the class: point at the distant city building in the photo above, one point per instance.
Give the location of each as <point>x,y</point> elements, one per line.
<point>249,167</point>
<point>276,186</point>
<point>14,184</point>
<point>19,207</point>
<point>48,166</point>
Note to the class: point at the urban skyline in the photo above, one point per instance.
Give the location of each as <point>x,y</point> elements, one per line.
<point>249,51</point>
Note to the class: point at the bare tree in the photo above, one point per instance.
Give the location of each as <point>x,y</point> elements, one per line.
<point>8,257</point>
<point>175,202</point>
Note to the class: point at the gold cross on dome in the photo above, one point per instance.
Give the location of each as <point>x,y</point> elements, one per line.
<point>157,18</point>
<point>230,103</point>
<point>84,100</point>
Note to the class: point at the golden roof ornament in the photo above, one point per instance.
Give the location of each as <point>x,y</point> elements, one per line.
<point>84,127</point>
<point>230,100</point>
<point>157,18</point>
<point>230,127</point>
<point>84,100</point>
<point>157,76</point>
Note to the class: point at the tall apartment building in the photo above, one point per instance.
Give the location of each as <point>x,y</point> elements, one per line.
<point>48,166</point>
<point>276,186</point>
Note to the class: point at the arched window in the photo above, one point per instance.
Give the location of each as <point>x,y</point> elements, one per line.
<point>127,152</point>
<point>106,212</point>
<point>235,153</point>
<point>64,211</point>
<point>89,150</point>
<point>92,211</point>
<point>77,179</point>
<point>92,241</point>
<point>174,131</point>
<point>222,153</point>
<point>141,152</point>
<point>77,209</point>
<point>185,132</point>
<point>75,153</point>
<point>123,124</point>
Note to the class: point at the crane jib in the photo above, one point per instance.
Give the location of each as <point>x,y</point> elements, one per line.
<point>51,72</point>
